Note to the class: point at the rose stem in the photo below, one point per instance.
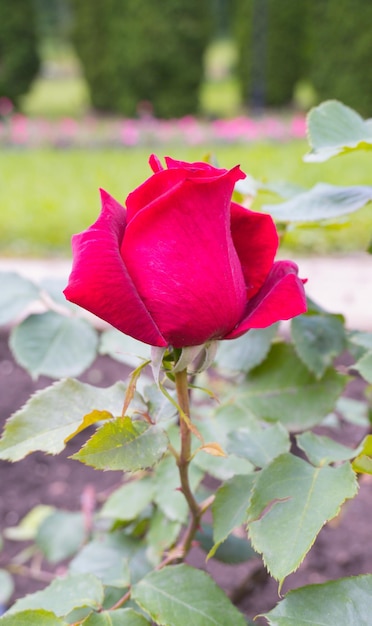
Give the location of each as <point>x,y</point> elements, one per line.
<point>184,460</point>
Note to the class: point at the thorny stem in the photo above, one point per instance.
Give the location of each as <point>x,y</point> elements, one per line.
<point>183,462</point>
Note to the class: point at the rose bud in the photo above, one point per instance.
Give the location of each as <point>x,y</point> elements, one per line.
<point>182,264</point>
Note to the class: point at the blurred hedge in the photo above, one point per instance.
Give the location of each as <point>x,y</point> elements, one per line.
<point>19,58</point>
<point>135,51</point>
<point>271,40</point>
<point>341,51</point>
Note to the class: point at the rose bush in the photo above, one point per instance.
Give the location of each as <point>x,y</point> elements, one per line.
<point>183,264</point>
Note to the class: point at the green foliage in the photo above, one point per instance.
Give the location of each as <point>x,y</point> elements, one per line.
<point>341,51</point>
<point>322,450</point>
<point>315,603</point>
<point>123,444</point>
<point>15,295</point>
<point>230,507</point>
<point>181,595</point>
<point>116,559</point>
<point>60,535</point>
<point>282,388</point>
<point>272,53</point>
<point>124,617</point>
<point>64,595</point>
<point>6,586</point>
<point>318,340</point>
<point>134,55</point>
<point>56,414</point>
<point>54,345</point>
<point>334,128</point>
<point>261,444</point>
<point>31,618</point>
<point>290,502</point>
<point>322,202</point>
<point>18,48</point>
<point>246,352</point>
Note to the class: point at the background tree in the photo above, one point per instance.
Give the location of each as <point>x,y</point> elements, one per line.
<point>19,57</point>
<point>271,45</point>
<point>132,52</point>
<point>341,51</point>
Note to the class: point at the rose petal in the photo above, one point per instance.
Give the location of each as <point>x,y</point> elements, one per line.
<point>281,297</point>
<point>199,168</point>
<point>99,281</point>
<point>256,242</point>
<point>153,188</point>
<point>155,163</point>
<point>181,257</point>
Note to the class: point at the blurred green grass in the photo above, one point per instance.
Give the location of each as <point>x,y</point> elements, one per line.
<point>47,195</point>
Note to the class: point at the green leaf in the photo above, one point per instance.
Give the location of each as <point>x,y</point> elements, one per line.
<point>233,550</point>
<point>345,602</point>
<point>321,202</point>
<point>260,446</point>
<point>230,507</point>
<point>364,366</point>
<point>32,618</point>
<point>60,535</point>
<point>180,595</point>
<point>123,348</point>
<point>334,128</point>
<point>318,339</point>
<point>158,405</point>
<point>362,339</point>
<point>53,414</point>
<point>6,587</point>
<point>353,411</point>
<point>53,287</point>
<point>29,524</point>
<point>54,345</point>
<point>216,431</point>
<point>363,462</point>
<point>16,294</point>
<point>290,503</point>
<point>64,595</point>
<point>123,444</point>
<point>120,617</point>
<point>321,450</point>
<point>223,468</point>
<point>283,389</point>
<point>127,502</point>
<point>108,558</point>
<point>246,352</point>
<point>168,495</point>
<point>162,534</point>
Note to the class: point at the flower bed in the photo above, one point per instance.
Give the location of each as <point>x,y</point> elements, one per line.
<point>21,131</point>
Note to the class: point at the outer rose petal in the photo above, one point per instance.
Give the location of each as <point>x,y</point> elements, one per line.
<point>99,281</point>
<point>281,297</point>
<point>180,255</point>
<point>153,188</point>
<point>256,242</point>
<point>199,168</point>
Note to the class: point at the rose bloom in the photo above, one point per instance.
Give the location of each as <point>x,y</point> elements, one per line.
<point>182,264</point>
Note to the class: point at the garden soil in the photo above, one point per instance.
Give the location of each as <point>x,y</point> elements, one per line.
<point>343,547</point>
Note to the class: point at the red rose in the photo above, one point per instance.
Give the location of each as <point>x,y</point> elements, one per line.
<point>182,264</point>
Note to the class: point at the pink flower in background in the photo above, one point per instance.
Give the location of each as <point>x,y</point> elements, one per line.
<point>19,129</point>
<point>129,133</point>
<point>182,264</point>
<point>146,130</point>
<point>297,127</point>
